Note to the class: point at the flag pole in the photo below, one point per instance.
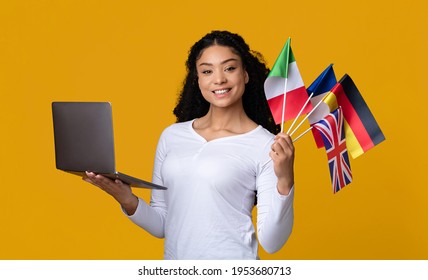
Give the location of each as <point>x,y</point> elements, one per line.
<point>306,131</point>
<point>301,110</point>
<point>283,105</point>
<point>310,113</point>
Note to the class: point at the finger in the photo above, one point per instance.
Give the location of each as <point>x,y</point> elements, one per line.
<point>277,148</point>
<point>285,146</point>
<point>286,142</point>
<point>280,144</point>
<point>120,183</point>
<point>102,179</point>
<point>92,182</point>
<point>273,155</point>
<point>98,180</point>
<point>281,135</point>
<point>286,137</point>
<point>88,177</point>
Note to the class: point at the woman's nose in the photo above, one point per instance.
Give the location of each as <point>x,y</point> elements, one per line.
<point>220,78</point>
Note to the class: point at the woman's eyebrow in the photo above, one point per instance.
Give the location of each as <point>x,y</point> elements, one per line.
<point>221,63</point>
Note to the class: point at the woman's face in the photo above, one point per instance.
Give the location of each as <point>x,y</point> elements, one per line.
<point>221,76</point>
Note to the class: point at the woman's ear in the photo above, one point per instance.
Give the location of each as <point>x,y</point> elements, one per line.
<point>247,78</point>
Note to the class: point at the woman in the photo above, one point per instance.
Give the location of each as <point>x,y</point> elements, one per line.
<point>217,160</point>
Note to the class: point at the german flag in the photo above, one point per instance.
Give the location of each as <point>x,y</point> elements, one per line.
<point>361,129</point>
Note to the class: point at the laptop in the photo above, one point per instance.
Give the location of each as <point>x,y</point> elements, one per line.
<point>83,134</point>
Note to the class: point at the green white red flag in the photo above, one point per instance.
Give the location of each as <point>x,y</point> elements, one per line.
<point>285,78</point>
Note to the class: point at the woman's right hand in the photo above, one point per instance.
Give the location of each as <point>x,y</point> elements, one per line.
<point>117,189</point>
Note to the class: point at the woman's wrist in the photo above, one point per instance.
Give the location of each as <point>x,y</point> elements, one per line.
<point>284,186</point>
<point>130,205</point>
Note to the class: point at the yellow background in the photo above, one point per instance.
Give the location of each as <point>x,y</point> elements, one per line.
<point>132,54</point>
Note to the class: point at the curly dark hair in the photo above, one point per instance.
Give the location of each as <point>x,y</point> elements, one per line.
<point>191,103</point>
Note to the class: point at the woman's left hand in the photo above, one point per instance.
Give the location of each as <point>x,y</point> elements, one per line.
<point>282,154</point>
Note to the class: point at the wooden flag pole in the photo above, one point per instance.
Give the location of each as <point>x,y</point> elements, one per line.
<point>301,110</point>
<point>306,131</point>
<point>283,105</point>
<point>307,116</point>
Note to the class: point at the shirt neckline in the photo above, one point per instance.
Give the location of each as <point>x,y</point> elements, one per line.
<point>221,138</point>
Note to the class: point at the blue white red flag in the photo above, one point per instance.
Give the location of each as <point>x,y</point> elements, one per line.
<point>333,135</point>
<point>320,88</point>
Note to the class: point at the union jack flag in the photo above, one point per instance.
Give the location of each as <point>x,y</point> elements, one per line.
<point>331,129</point>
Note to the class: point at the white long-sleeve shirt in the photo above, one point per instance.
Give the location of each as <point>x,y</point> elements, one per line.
<point>206,211</point>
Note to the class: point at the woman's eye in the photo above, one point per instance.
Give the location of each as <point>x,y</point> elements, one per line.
<point>230,68</point>
<point>206,72</point>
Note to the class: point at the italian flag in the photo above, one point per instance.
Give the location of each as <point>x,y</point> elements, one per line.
<point>285,78</point>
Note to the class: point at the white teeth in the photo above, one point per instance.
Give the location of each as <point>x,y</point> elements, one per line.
<point>222,91</point>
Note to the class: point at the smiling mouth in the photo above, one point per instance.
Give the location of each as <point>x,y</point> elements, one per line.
<point>221,91</point>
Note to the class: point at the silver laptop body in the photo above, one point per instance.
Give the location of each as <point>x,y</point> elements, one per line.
<point>83,134</point>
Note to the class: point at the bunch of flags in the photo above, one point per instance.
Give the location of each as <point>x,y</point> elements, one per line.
<point>339,117</point>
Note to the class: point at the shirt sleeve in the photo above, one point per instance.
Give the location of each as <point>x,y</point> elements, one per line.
<point>275,214</point>
<point>152,217</point>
